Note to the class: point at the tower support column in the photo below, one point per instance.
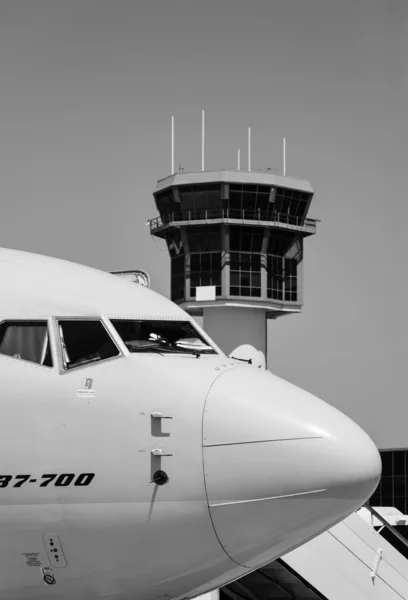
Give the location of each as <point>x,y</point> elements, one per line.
<point>233,326</point>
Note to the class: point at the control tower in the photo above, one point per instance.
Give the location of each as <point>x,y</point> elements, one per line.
<point>235,240</point>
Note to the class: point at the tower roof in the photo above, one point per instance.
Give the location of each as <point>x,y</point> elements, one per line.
<point>231,176</point>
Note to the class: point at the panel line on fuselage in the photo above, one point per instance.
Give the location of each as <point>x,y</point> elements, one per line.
<point>269,498</point>
<point>311,437</point>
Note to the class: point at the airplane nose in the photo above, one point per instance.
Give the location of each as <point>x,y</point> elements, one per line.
<point>280,465</point>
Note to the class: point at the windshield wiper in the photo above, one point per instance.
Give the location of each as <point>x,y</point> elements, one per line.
<point>247,360</point>
<point>148,346</point>
<point>193,344</point>
<point>177,350</point>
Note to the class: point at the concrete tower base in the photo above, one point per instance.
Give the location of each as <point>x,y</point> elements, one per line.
<point>233,326</point>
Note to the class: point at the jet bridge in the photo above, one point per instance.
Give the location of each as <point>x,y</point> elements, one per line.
<point>274,581</point>
<point>361,558</point>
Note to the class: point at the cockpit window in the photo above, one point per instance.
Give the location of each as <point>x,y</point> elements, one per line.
<point>83,342</point>
<point>144,335</point>
<point>26,340</point>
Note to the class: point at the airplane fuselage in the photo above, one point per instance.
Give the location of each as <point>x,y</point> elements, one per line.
<point>149,468</point>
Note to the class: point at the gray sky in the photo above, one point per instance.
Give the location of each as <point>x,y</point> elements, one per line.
<point>87,91</point>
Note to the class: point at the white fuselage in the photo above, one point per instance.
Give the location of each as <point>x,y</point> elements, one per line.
<point>255,465</point>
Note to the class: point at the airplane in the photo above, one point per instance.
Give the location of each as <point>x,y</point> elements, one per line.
<point>137,459</point>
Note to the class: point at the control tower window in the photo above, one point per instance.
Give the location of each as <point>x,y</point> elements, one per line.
<point>285,244</point>
<point>282,278</point>
<point>262,201</point>
<point>243,198</point>
<point>275,277</point>
<point>249,198</point>
<point>168,208</point>
<point>205,239</point>
<point>245,274</point>
<point>205,269</point>
<point>197,199</point>
<point>290,280</point>
<point>291,202</point>
<point>253,199</point>
<point>26,340</point>
<point>177,278</point>
<point>235,200</point>
<point>161,337</point>
<point>84,342</point>
<point>246,239</point>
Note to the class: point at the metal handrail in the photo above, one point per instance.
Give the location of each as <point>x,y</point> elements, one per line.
<point>386,524</point>
<point>228,213</point>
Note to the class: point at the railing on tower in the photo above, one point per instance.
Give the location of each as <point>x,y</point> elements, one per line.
<point>208,215</point>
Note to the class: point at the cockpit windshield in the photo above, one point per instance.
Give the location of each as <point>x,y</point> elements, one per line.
<point>176,337</point>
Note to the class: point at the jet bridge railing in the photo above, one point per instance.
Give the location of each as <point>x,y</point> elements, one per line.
<point>388,527</point>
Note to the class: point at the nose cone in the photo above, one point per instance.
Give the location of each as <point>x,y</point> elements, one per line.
<point>280,465</point>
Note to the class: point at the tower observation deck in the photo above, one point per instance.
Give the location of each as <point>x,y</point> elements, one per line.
<point>235,240</point>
